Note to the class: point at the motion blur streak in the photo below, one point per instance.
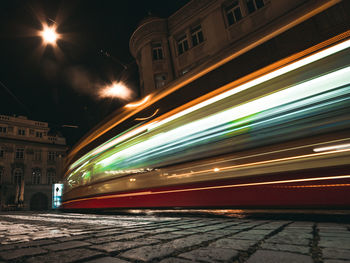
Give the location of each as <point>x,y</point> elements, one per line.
<point>293,66</point>
<point>287,126</point>
<point>333,147</point>
<point>230,186</point>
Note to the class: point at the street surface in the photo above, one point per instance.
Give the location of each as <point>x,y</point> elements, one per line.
<point>73,237</point>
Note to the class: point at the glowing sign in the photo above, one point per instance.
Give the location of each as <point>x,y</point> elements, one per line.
<point>56,195</point>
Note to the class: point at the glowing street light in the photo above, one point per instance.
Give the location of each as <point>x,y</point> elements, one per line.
<point>116,90</point>
<point>49,34</point>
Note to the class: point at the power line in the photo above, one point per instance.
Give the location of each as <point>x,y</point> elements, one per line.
<point>15,98</point>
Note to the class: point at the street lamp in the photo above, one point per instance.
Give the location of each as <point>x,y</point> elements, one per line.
<point>49,34</point>
<point>116,90</point>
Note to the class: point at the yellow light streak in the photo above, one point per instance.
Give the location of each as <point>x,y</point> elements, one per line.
<point>258,163</point>
<point>146,118</point>
<point>137,104</point>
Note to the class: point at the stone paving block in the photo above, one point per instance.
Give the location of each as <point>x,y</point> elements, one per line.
<point>160,250</point>
<point>167,236</point>
<point>343,243</point>
<point>272,226</point>
<point>112,238</point>
<point>66,245</point>
<point>65,256</point>
<point>336,261</point>
<point>259,231</point>
<point>210,254</point>
<point>292,240</point>
<point>107,260</point>
<point>160,230</point>
<point>285,247</point>
<point>237,244</point>
<point>334,234</point>
<point>268,256</point>
<point>245,235</point>
<point>18,253</point>
<point>175,260</point>
<point>109,232</point>
<point>120,246</point>
<point>28,244</point>
<point>335,253</point>
<point>71,238</point>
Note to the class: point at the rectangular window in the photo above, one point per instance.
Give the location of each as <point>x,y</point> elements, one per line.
<point>233,13</point>
<point>21,132</point>
<point>157,51</point>
<point>2,154</point>
<point>197,35</point>
<point>182,45</point>
<point>39,134</point>
<point>51,176</point>
<point>20,153</point>
<point>254,5</point>
<point>51,156</point>
<point>3,129</point>
<point>37,155</point>
<point>160,80</point>
<point>36,176</point>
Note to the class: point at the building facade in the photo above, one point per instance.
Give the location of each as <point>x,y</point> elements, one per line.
<point>206,32</point>
<point>31,161</point>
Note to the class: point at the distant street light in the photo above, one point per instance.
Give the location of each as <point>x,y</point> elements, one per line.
<point>116,90</point>
<point>49,34</point>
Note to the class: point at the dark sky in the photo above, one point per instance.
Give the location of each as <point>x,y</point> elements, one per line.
<point>60,85</point>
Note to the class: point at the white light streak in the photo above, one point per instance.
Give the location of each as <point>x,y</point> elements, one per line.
<point>332,148</point>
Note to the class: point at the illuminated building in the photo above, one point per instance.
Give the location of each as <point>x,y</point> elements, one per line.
<point>31,160</point>
<point>203,32</point>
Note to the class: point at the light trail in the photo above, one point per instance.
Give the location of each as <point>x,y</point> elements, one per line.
<point>216,187</point>
<point>333,79</point>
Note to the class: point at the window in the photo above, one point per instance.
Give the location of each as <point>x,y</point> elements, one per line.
<point>51,156</point>
<point>233,13</point>
<point>157,51</point>
<point>254,5</point>
<point>39,134</point>
<point>1,173</point>
<point>2,152</point>
<point>160,80</point>
<point>17,176</point>
<point>21,132</point>
<point>37,155</point>
<point>36,176</point>
<point>20,153</point>
<point>197,35</point>
<point>51,176</point>
<point>182,45</point>
<point>3,129</point>
<point>31,132</point>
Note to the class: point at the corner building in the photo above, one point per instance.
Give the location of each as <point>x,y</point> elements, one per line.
<point>206,32</point>
<point>31,161</point>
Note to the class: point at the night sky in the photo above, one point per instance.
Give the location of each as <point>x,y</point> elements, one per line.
<point>60,85</point>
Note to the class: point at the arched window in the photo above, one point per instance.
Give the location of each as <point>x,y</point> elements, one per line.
<point>17,176</point>
<point>51,176</point>
<point>36,176</point>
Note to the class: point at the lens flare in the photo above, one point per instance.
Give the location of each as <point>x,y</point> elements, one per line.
<point>49,35</point>
<point>116,90</point>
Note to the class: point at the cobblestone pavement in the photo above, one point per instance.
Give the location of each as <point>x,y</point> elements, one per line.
<point>69,237</point>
